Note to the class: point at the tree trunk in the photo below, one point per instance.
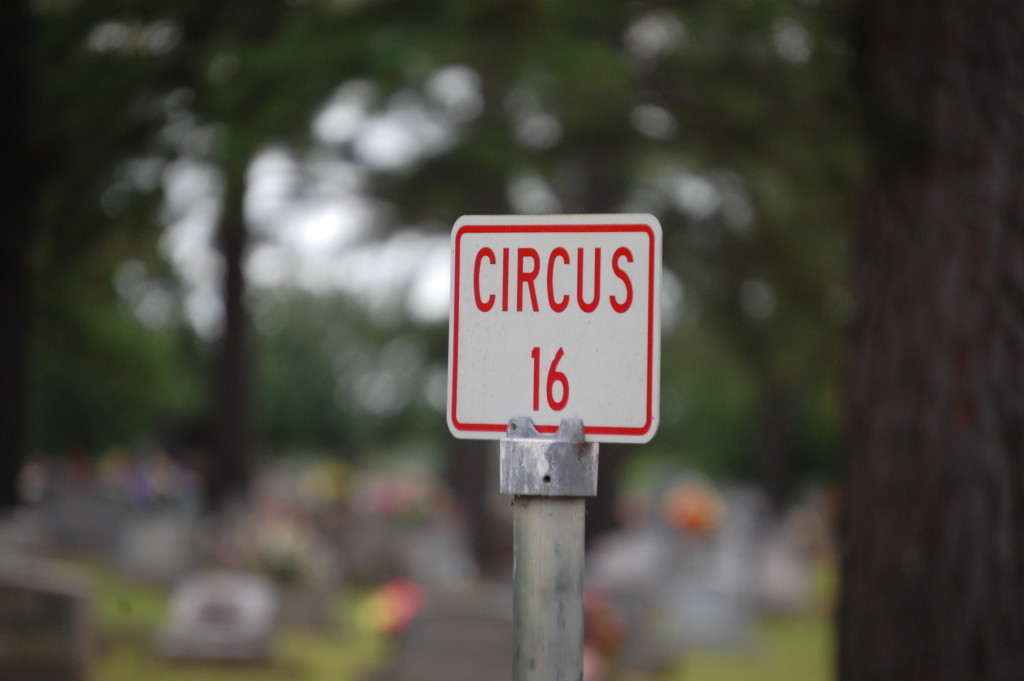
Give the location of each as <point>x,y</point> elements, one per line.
<point>775,442</point>
<point>603,192</point>
<point>227,470</point>
<point>933,557</point>
<point>16,197</point>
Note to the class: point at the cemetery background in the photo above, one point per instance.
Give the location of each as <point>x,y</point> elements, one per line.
<point>674,594</point>
<point>227,255</point>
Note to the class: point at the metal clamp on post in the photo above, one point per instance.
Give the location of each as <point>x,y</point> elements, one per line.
<point>557,465</point>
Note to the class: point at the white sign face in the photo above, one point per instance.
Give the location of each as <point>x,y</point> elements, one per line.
<point>554,317</point>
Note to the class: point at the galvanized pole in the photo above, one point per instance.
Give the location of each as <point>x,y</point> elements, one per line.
<point>550,477</point>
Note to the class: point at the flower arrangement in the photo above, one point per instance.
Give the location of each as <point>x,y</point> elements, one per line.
<point>151,480</point>
<point>604,631</point>
<point>390,609</point>
<point>408,499</point>
<point>284,551</point>
<point>276,540</point>
<point>693,508</point>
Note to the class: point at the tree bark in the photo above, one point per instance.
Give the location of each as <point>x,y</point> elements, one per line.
<point>933,558</point>
<point>17,183</point>
<point>774,444</point>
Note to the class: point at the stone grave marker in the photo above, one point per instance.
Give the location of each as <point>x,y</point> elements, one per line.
<point>220,615</point>
<point>46,631</point>
<point>710,602</point>
<point>157,545</point>
<point>633,560</point>
<point>80,517</point>
<point>373,550</point>
<point>681,592</point>
<point>21,532</point>
<point>711,606</point>
<point>464,638</point>
<point>438,557</point>
<point>783,578</point>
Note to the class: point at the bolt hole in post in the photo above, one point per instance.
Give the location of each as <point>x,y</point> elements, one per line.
<point>547,479</point>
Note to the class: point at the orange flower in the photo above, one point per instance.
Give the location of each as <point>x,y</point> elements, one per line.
<point>694,509</point>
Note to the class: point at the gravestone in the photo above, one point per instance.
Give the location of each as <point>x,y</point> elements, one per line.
<point>783,577</point>
<point>220,615</point>
<point>710,603</point>
<point>679,592</point>
<point>46,629</point>
<point>633,568</point>
<point>633,560</point>
<point>157,545</point>
<point>438,558</point>
<point>21,532</point>
<point>373,550</point>
<point>81,517</point>
<point>464,638</point>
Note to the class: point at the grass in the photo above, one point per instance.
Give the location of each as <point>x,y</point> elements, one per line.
<point>797,649</point>
<point>299,656</point>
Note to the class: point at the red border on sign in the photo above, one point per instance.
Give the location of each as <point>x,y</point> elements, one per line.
<point>553,229</point>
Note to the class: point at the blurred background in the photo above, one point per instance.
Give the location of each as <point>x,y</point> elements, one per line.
<point>225,267</point>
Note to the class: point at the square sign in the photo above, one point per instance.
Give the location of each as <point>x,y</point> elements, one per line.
<point>554,317</point>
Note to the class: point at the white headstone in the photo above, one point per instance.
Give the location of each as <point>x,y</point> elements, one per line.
<point>220,615</point>
<point>157,545</point>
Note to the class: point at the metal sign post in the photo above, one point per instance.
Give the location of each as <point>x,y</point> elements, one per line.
<point>550,476</point>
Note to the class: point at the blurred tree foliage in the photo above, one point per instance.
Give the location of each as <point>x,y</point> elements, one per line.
<point>98,374</point>
<point>333,376</point>
<point>734,122</point>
